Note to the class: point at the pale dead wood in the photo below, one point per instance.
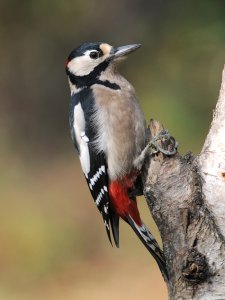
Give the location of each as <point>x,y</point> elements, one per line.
<point>186,196</point>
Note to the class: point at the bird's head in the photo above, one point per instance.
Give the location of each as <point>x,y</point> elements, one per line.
<point>86,63</point>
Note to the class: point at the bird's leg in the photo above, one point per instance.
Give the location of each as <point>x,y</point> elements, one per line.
<point>138,162</point>
<point>155,145</point>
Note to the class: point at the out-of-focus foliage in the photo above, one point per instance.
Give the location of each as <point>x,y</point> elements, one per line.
<point>176,73</point>
<point>52,240</point>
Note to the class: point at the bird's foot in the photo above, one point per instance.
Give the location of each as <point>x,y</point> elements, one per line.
<point>161,141</point>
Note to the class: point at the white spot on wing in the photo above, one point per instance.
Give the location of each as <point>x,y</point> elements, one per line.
<point>96,176</point>
<point>98,199</point>
<point>106,208</point>
<point>100,196</point>
<point>106,225</point>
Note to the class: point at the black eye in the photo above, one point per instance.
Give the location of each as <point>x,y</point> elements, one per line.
<point>94,54</point>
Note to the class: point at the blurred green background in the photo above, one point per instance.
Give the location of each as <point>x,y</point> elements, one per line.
<point>53,242</point>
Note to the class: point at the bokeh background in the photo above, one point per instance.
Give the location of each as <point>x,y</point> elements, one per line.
<point>52,241</point>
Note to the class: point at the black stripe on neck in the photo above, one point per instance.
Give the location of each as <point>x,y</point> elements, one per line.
<point>108,84</point>
<point>89,79</point>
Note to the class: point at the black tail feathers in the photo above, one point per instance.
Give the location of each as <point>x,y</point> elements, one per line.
<point>150,243</point>
<point>114,221</point>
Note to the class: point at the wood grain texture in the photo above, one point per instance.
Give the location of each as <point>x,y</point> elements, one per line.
<point>186,197</point>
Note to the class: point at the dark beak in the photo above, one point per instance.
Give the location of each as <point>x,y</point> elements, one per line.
<point>121,51</point>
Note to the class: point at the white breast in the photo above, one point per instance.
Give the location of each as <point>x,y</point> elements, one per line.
<point>82,139</point>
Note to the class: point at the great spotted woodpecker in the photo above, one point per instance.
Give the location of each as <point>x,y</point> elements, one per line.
<point>108,130</point>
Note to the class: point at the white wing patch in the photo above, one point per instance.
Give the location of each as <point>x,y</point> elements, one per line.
<point>82,139</point>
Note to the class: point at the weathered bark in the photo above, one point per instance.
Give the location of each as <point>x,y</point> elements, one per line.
<point>186,196</point>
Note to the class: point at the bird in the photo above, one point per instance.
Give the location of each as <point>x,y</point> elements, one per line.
<point>108,130</point>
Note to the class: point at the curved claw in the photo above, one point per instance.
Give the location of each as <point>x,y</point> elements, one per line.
<point>162,136</point>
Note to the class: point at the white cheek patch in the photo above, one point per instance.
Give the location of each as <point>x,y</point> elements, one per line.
<point>84,65</point>
<point>82,139</point>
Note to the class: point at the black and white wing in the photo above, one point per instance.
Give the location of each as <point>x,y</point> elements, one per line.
<point>93,163</point>
<point>97,180</point>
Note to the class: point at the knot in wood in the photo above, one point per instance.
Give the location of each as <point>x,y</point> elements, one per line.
<point>195,269</point>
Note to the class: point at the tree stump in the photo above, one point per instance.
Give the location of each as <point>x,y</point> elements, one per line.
<point>186,197</point>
